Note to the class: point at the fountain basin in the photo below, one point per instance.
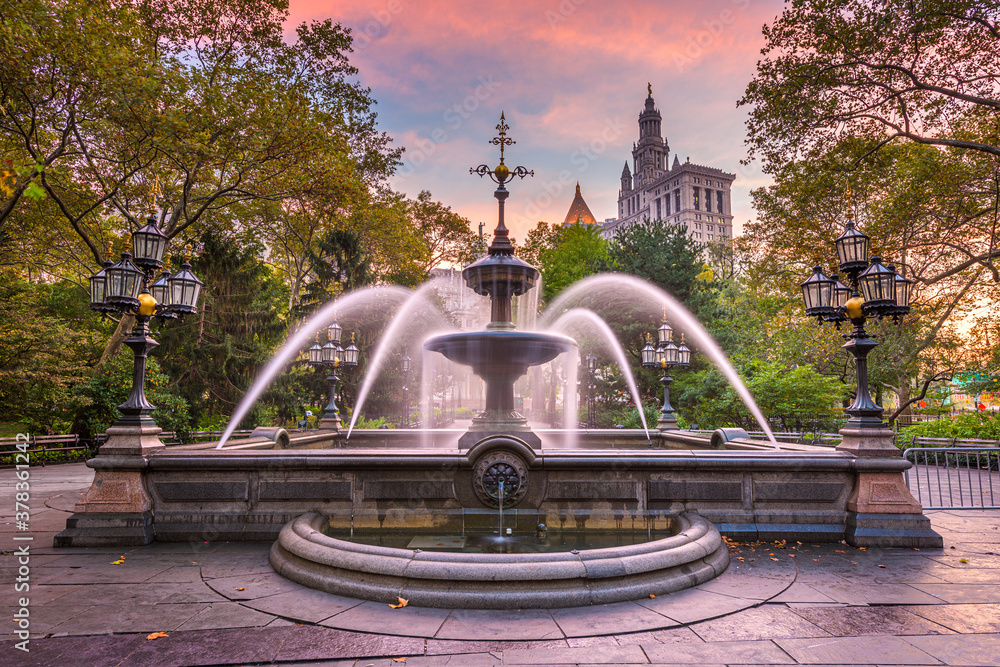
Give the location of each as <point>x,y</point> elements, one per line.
<point>500,353</point>
<point>306,554</point>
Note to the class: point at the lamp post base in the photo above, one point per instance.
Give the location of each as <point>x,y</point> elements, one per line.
<point>667,423</point>
<point>329,423</point>
<point>868,442</point>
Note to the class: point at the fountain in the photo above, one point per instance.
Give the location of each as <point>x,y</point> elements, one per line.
<point>503,515</point>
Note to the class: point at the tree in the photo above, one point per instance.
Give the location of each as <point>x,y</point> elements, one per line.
<point>213,356</point>
<point>447,236</point>
<point>923,71</point>
<point>577,251</point>
<point>339,265</point>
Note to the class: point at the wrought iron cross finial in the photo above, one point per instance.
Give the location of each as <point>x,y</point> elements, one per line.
<point>501,173</point>
<point>502,140</point>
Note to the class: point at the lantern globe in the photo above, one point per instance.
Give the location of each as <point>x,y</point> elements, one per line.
<point>648,354</point>
<point>315,354</point>
<point>351,354</point>
<point>148,245</point>
<point>817,293</point>
<point>852,249</point>
<point>124,281</point>
<point>185,288</point>
<point>406,364</point>
<point>878,285</point>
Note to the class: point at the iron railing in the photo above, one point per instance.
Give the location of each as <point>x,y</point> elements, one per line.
<point>954,477</point>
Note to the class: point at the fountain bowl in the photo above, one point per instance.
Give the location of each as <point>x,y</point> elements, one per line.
<point>506,351</point>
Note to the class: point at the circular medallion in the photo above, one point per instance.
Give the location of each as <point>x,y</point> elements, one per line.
<point>500,474</point>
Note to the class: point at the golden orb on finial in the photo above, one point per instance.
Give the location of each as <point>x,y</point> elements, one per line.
<point>855,307</point>
<point>147,305</point>
<point>501,172</point>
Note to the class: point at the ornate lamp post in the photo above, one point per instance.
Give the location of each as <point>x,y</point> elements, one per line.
<point>872,290</point>
<point>126,287</point>
<point>332,355</point>
<point>666,355</point>
<point>590,362</point>
<point>405,365</point>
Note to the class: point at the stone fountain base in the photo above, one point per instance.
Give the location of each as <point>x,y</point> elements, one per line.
<point>305,554</point>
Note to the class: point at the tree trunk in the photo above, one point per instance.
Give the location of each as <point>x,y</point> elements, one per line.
<point>122,332</point>
<point>903,394</point>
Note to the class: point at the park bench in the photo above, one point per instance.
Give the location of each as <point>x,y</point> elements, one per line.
<point>42,448</point>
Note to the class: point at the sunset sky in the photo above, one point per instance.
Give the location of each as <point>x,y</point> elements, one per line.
<point>571,76</point>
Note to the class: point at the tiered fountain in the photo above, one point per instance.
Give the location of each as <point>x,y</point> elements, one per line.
<point>502,517</point>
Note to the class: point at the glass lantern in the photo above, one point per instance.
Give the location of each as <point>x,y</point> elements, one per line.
<point>351,353</point>
<point>683,354</point>
<point>670,351</point>
<point>817,292</point>
<point>99,290</point>
<point>664,333</point>
<point>329,353</point>
<point>161,289</point>
<point>878,284</point>
<point>648,354</point>
<point>148,245</point>
<point>852,248</point>
<point>185,287</point>
<point>406,364</point>
<point>903,289</point>
<point>124,281</point>
<point>333,333</point>
<point>591,363</point>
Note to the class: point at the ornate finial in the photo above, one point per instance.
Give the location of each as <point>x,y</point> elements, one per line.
<point>649,89</point>
<point>502,139</point>
<point>187,252</point>
<point>501,173</point>
<point>578,187</point>
<point>849,198</point>
<point>664,313</point>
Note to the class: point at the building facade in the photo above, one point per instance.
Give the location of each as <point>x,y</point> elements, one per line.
<point>693,195</point>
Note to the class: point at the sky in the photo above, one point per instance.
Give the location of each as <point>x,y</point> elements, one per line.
<point>570,76</point>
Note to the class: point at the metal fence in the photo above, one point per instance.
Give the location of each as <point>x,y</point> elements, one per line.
<point>954,477</point>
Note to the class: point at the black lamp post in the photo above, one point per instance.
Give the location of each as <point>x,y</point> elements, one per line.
<point>126,287</point>
<point>591,364</point>
<point>872,290</point>
<point>405,365</point>
<point>332,355</point>
<point>666,355</point>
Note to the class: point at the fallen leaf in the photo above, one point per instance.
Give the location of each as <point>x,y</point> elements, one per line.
<point>774,559</point>
<point>854,562</point>
<point>403,659</point>
<point>241,588</point>
<point>963,560</point>
<point>881,565</point>
<point>156,635</point>
<point>837,551</point>
<point>400,603</point>
<point>117,562</point>
<point>651,596</point>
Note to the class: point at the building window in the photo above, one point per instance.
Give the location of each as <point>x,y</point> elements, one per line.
<point>697,198</point>
<point>718,200</point>
<point>677,219</point>
<point>708,199</point>
<point>711,237</point>
<point>677,200</point>
<point>659,214</point>
<point>710,228</point>
<point>666,203</point>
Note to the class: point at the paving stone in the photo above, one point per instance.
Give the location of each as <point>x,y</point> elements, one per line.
<point>861,621</point>
<point>600,640</point>
<point>751,653</point>
<point>177,593</point>
<point>312,643</point>
<point>226,615</point>
<point>494,624</point>
<point>962,593</point>
<point>101,651</point>
<point>463,660</point>
<point>124,618</point>
<point>758,623</point>
<point>964,618</point>
<point>608,619</point>
<point>961,650</point>
<point>952,558</point>
<point>208,647</point>
<point>666,636</point>
<point>307,605</point>
<point>752,587</point>
<point>871,593</point>
<point>44,617</point>
<point>383,619</point>
<point>854,651</point>
<point>694,605</point>
<point>177,574</point>
<point>799,592</point>
<point>254,585</point>
<point>594,655</point>
<point>44,594</point>
<point>447,646</point>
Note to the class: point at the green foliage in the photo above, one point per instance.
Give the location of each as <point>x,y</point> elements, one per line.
<point>972,426</point>
<point>110,387</point>
<point>217,353</point>
<point>48,341</point>
<point>790,398</point>
<point>575,252</point>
